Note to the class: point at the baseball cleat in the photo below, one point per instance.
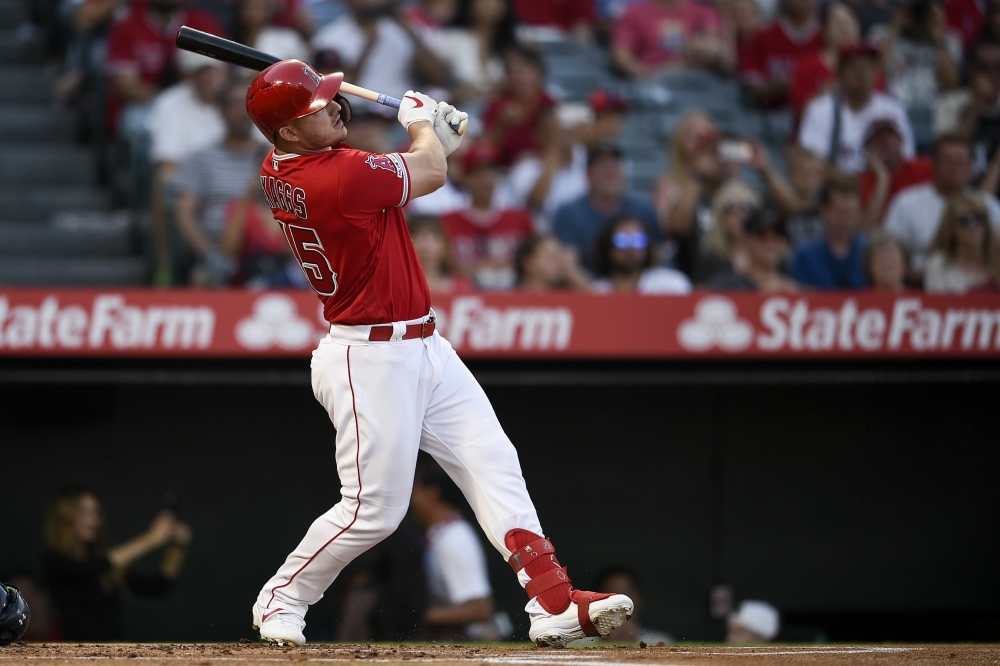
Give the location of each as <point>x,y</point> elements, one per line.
<point>588,614</point>
<point>279,626</point>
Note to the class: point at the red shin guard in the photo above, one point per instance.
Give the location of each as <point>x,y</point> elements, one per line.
<point>536,555</point>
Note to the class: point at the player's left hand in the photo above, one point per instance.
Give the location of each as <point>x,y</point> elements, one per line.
<point>447,123</point>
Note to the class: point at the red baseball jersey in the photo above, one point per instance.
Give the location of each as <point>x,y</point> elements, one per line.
<point>775,51</point>
<point>474,240</point>
<point>340,212</point>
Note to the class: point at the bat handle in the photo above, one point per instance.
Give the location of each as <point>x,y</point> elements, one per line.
<point>385,100</point>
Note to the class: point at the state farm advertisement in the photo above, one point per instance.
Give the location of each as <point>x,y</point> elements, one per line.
<point>189,323</point>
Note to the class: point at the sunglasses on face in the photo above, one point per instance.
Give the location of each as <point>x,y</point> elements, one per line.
<point>630,240</point>
<point>970,219</point>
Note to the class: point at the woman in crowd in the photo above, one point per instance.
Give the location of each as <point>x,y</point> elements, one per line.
<point>960,255</point>
<point>625,260</point>
<point>815,73</point>
<point>682,196</point>
<point>434,253</point>
<point>474,44</point>
<point>511,117</point>
<point>723,250</point>
<point>765,244</point>
<point>886,262</point>
<point>87,580</point>
<point>543,264</point>
<point>254,242</point>
<point>254,28</point>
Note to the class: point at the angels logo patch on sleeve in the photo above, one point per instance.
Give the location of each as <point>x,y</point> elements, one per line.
<point>385,162</point>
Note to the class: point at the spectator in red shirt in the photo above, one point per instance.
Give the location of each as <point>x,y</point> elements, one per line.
<point>888,171</point>
<point>483,238</point>
<point>777,49</point>
<point>657,35</point>
<point>816,72</point>
<point>141,54</point>
<point>746,22</point>
<point>572,16</point>
<point>966,17</point>
<point>511,117</point>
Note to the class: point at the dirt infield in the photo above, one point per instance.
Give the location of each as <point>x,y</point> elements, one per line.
<point>455,655</point>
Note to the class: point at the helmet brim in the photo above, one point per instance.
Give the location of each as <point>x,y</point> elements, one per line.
<point>328,88</point>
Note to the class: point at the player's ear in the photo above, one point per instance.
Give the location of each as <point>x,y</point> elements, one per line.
<point>287,133</point>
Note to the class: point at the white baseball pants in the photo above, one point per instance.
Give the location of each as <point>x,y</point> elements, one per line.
<point>387,400</point>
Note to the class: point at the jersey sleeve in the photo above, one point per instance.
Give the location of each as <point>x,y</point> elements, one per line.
<point>369,183</point>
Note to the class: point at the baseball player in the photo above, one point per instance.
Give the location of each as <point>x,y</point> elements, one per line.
<point>391,384</point>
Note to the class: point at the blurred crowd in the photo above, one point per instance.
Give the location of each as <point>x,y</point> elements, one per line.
<point>538,197</point>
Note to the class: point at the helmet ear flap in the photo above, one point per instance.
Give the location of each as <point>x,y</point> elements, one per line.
<point>345,108</point>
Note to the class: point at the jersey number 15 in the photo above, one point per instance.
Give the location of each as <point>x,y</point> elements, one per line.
<point>308,249</point>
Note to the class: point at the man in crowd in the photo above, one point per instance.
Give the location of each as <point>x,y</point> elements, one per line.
<point>578,223</point>
<point>915,214</point>
<point>211,178</point>
<point>833,125</point>
<point>183,119</point>
<point>888,172</point>
<point>378,49</point>
<point>483,238</point>
<point>774,52</point>
<point>655,35</point>
<point>754,622</point>
<point>974,112</point>
<point>835,261</point>
<point>610,111</point>
<point>461,604</point>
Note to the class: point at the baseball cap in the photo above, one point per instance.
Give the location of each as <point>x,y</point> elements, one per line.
<point>855,50</point>
<point>479,155</point>
<point>759,617</point>
<point>879,125</point>
<point>760,221</point>
<point>602,101</point>
<point>286,91</point>
<point>603,149</point>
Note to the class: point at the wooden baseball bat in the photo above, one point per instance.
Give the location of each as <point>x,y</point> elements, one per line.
<point>235,53</point>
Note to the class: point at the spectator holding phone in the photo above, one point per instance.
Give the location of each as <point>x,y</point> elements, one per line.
<point>960,256</point>
<point>625,261</point>
<point>88,580</point>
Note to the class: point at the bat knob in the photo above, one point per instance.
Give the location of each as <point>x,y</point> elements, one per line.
<point>461,127</point>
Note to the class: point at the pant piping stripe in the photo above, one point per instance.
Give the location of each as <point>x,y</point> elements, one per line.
<point>357,464</point>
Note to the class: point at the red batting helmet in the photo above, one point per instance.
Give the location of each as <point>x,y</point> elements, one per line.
<point>288,90</point>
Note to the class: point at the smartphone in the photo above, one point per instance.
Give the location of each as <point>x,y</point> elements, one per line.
<point>732,150</point>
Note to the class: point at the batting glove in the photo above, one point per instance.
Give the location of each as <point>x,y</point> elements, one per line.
<point>446,125</point>
<point>415,107</point>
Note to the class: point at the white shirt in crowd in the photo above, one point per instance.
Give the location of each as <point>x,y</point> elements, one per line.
<point>180,123</point>
<point>816,130</point>
<point>283,43</point>
<point>390,60</point>
<point>459,47</point>
<point>455,563</point>
<point>915,215</point>
<point>567,184</point>
<point>946,277</point>
<point>654,281</point>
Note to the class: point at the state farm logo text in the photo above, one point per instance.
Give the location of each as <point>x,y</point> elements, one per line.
<point>109,323</point>
<point>794,324</point>
<point>471,324</point>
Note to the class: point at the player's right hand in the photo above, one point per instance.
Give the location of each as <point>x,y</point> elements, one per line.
<point>415,107</point>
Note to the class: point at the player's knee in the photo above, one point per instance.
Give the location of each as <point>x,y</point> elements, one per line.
<point>386,520</point>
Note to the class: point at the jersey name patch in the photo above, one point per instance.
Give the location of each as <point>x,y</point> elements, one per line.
<point>283,196</point>
<point>384,162</point>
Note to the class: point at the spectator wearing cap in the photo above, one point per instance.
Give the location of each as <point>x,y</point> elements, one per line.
<point>511,117</point>
<point>578,223</point>
<point>141,56</point>
<point>610,110</point>
<point>624,580</point>
<point>766,246</point>
<point>439,265</point>
<point>544,264</point>
<point>922,56</point>
<point>834,124</point>
<point>816,72</point>
<point>754,622</point>
<point>723,250</point>
<point>378,49</point>
<point>568,16</point>
<point>654,36</point>
<point>182,120</point>
<point>776,50</point>
<point>835,261</point>
<point>624,260</point>
<point>254,27</point>
<point>960,257</point>
<point>474,43</point>
<point>209,179</point>
<point>886,262</point>
<point>888,172</point>
<point>974,112</point>
<point>484,238</point>
<point>556,175</point>
<point>915,213</point>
